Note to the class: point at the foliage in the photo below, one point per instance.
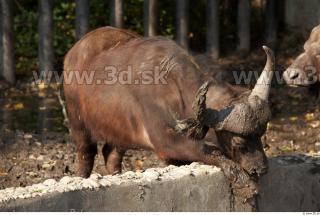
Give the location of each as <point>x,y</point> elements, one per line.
<point>25,28</point>
<point>64,28</point>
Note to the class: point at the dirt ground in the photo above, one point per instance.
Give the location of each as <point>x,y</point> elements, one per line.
<point>35,146</point>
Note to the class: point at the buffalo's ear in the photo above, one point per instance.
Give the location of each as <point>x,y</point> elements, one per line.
<point>314,38</point>
<point>195,128</point>
<point>312,48</point>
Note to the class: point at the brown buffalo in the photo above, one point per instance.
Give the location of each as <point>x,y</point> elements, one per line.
<point>305,70</point>
<point>157,98</point>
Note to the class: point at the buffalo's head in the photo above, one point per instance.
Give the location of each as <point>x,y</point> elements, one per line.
<point>240,125</point>
<point>305,70</point>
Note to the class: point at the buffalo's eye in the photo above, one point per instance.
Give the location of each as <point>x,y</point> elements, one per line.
<point>244,149</point>
<point>239,144</point>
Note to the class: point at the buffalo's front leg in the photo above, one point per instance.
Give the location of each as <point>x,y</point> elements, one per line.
<point>86,156</point>
<point>86,150</point>
<point>241,182</point>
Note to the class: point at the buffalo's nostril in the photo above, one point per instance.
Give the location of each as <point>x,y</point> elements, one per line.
<point>293,74</point>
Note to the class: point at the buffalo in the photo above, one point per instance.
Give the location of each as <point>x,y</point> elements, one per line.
<point>149,93</point>
<point>305,70</point>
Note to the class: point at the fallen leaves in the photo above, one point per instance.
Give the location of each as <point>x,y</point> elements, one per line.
<point>14,106</point>
<point>314,124</point>
<point>293,118</point>
<point>309,116</point>
<point>3,174</point>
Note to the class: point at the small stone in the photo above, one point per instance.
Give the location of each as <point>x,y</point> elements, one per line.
<point>35,194</point>
<point>105,183</point>
<point>19,191</point>
<point>95,176</point>
<point>27,195</point>
<point>61,189</point>
<point>32,157</point>
<point>49,182</point>
<point>37,143</point>
<point>21,196</point>
<point>89,183</point>
<point>128,175</point>
<point>32,174</point>
<point>194,165</point>
<point>66,180</point>
<point>46,166</point>
<point>27,136</point>
<point>40,158</point>
<point>150,175</point>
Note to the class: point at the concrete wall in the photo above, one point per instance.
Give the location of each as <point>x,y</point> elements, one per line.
<point>292,184</point>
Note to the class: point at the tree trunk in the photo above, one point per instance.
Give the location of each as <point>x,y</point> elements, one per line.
<point>244,25</point>
<point>82,18</point>
<point>213,28</point>
<point>150,18</point>
<point>45,29</point>
<point>1,47</point>
<point>271,23</point>
<point>8,68</point>
<point>182,22</point>
<point>116,13</point>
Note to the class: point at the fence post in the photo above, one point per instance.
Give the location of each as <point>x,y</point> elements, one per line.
<point>271,23</point>
<point>150,18</point>
<point>244,25</point>
<point>1,47</point>
<point>82,18</point>
<point>116,13</point>
<point>182,9</point>
<point>213,29</point>
<point>45,29</point>
<point>8,65</point>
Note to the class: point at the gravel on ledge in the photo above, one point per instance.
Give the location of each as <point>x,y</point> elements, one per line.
<point>96,181</point>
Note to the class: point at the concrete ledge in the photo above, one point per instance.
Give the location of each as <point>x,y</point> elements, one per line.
<point>292,184</point>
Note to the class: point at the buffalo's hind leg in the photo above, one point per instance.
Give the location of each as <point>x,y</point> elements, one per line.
<point>112,158</point>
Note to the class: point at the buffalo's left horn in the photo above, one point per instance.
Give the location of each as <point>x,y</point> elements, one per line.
<point>263,85</point>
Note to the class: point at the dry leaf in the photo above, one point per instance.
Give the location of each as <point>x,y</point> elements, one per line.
<point>309,116</point>
<point>139,164</point>
<point>314,124</point>
<point>42,86</point>
<point>293,118</point>
<point>18,106</point>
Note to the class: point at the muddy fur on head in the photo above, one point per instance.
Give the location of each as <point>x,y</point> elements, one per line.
<point>245,116</point>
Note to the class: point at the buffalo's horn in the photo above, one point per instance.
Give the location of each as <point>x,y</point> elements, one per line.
<point>262,87</point>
